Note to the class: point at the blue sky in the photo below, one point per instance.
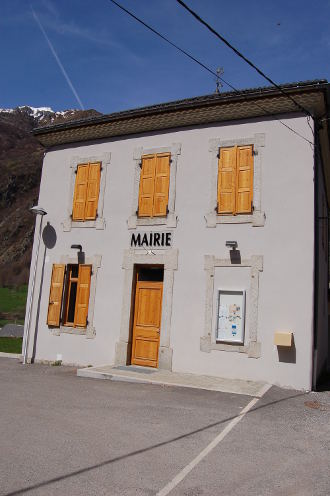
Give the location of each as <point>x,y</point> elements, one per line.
<point>114,63</point>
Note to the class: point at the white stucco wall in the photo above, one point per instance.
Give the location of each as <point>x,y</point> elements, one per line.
<point>285,242</point>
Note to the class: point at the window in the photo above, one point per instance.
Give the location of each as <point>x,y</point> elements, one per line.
<point>235,180</point>
<point>86,191</point>
<point>69,295</point>
<point>154,185</point>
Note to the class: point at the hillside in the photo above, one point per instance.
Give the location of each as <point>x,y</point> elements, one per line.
<point>20,164</point>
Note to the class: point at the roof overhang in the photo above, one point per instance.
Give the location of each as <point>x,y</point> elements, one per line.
<point>229,106</point>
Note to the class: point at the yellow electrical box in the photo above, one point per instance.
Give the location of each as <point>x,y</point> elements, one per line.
<point>283,338</point>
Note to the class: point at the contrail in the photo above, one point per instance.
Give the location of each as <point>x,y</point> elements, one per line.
<point>68,80</point>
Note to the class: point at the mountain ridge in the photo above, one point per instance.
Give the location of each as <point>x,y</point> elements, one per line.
<point>21,157</point>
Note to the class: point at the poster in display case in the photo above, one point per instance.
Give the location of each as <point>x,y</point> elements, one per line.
<point>230,316</point>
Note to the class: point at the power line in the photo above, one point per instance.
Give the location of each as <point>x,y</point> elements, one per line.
<point>194,14</point>
<point>194,59</point>
<point>171,43</point>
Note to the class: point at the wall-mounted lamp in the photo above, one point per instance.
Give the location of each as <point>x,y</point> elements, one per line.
<point>235,256</point>
<point>38,210</point>
<point>232,244</point>
<point>81,254</point>
<point>77,247</point>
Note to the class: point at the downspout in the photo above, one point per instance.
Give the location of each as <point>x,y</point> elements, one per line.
<point>316,257</point>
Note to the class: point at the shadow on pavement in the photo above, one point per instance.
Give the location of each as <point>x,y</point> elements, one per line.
<point>144,450</point>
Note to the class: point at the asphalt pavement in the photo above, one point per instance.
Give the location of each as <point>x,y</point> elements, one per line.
<point>63,434</point>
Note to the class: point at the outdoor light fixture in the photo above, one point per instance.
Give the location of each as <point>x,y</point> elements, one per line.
<point>232,244</point>
<point>81,254</point>
<point>76,247</point>
<point>36,211</point>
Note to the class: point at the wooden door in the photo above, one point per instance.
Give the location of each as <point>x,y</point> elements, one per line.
<point>147,320</point>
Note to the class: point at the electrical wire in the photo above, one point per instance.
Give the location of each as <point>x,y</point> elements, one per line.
<point>171,43</point>
<point>194,59</point>
<point>239,54</point>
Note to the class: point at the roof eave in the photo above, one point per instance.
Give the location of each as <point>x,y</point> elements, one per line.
<point>202,110</point>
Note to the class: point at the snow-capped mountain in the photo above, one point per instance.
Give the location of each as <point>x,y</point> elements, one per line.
<point>36,112</point>
<point>46,115</point>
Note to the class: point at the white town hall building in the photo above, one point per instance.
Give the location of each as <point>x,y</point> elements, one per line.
<point>190,236</point>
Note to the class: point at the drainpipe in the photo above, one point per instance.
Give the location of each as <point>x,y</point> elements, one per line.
<point>316,260</point>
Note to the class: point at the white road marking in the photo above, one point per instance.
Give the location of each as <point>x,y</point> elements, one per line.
<point>188,468</point>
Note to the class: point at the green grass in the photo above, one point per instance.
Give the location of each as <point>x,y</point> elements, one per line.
<point>12,305</point>
<point>11,345</point>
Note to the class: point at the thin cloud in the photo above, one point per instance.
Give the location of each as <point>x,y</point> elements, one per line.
<point>72,29</point>
<point>59,63</point>
<point>54,22</point>
<point>50,7</point>
<point>75,30</point>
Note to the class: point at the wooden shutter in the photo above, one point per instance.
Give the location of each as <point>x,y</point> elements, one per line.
<point>93,190</point>
<point>147,186</point>
<point>162,183</point>
<point>82,299</point>
<point>55,295</point>
<point>244,179</point>
<point>80,192</point>
<point>227,180</point>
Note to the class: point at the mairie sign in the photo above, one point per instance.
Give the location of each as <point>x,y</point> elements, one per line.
<point>151,239</point>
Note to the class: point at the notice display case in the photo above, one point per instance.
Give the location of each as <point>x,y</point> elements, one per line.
<point>230,322</point>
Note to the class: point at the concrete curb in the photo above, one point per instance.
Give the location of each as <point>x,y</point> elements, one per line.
<point>10,355</point>
<point>91,373</point>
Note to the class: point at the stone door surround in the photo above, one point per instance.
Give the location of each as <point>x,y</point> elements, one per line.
<point>169,259</point>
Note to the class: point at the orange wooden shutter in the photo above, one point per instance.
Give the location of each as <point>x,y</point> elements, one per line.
<point>82,299</point>
<point>147,186</point>
<point>80,191</point>
<point>55,295</point>
<point>227,180</point>
<point>244,179</point>
<point>162,183</point>
<point>93,190</point>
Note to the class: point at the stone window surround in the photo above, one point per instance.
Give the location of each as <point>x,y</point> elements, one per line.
<point>99,222</point>
<point>171,219</point>
<point>257,217</point>
<point>89,332</point>
<point>251,346</point>
<point>132,257</point>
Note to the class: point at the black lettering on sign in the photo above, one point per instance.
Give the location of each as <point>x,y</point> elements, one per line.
<point>156,239</point>
<point>144,240</point>
<point>136,241</point>
<point>151,239</point>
